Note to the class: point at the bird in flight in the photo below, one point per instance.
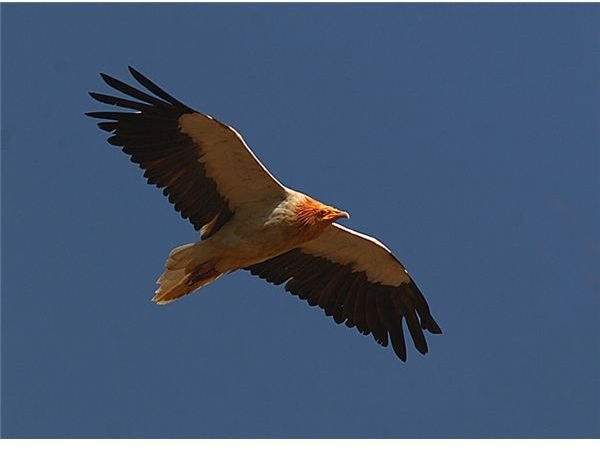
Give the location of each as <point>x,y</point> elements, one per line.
<point>248,220</point>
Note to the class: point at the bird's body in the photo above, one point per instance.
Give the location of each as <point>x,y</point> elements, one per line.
<point>256,233</point>
<point>248,220</point>
<point>265,229</point>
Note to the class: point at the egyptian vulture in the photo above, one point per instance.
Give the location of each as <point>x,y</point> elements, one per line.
<point>248,220</point>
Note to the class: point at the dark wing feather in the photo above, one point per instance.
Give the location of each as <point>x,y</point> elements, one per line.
<point>203,166</point>
<point>348,295</point>
<point>169,158</point>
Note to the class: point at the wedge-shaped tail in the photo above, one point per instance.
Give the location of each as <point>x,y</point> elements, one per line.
<point>187,269</point>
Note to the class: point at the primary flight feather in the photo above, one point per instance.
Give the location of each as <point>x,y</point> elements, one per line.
<point>248,220</point>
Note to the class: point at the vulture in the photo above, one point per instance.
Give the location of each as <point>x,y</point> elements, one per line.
<point>248,220</point>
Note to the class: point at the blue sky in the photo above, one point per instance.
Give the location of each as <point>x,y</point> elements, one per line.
<point>465,137</point>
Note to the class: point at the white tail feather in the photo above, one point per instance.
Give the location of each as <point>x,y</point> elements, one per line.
<point>188,268</point>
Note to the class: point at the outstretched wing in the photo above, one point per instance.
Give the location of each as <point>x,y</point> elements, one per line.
<point>357,280</point>
<point>205,167</point>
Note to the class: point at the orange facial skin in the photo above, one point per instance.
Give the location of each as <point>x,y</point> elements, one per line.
<point>313,216</point>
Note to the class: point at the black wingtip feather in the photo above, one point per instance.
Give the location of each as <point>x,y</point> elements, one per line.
<point>156,90</point>
<point>133,92</point>
<point>430,325</point>
<point>398,342</point>
<point>415,331</point>
<point>96,114</point>
<point>110,115</point>
<point>121,102</point>
<point>107,126</point>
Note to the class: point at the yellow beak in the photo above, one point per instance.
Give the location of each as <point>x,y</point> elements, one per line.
<point>337,214</point>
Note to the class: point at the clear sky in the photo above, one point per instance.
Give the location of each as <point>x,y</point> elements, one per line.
<point>464,137</point>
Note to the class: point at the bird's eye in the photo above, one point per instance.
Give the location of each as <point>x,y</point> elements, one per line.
<point>323,212</point>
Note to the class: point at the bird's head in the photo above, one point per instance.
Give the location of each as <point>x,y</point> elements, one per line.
<point>331,214</point>
<point>312,213</point>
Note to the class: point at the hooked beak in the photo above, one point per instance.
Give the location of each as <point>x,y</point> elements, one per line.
<point>337,214</point>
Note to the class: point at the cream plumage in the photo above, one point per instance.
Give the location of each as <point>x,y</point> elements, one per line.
<point>249,220</point>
